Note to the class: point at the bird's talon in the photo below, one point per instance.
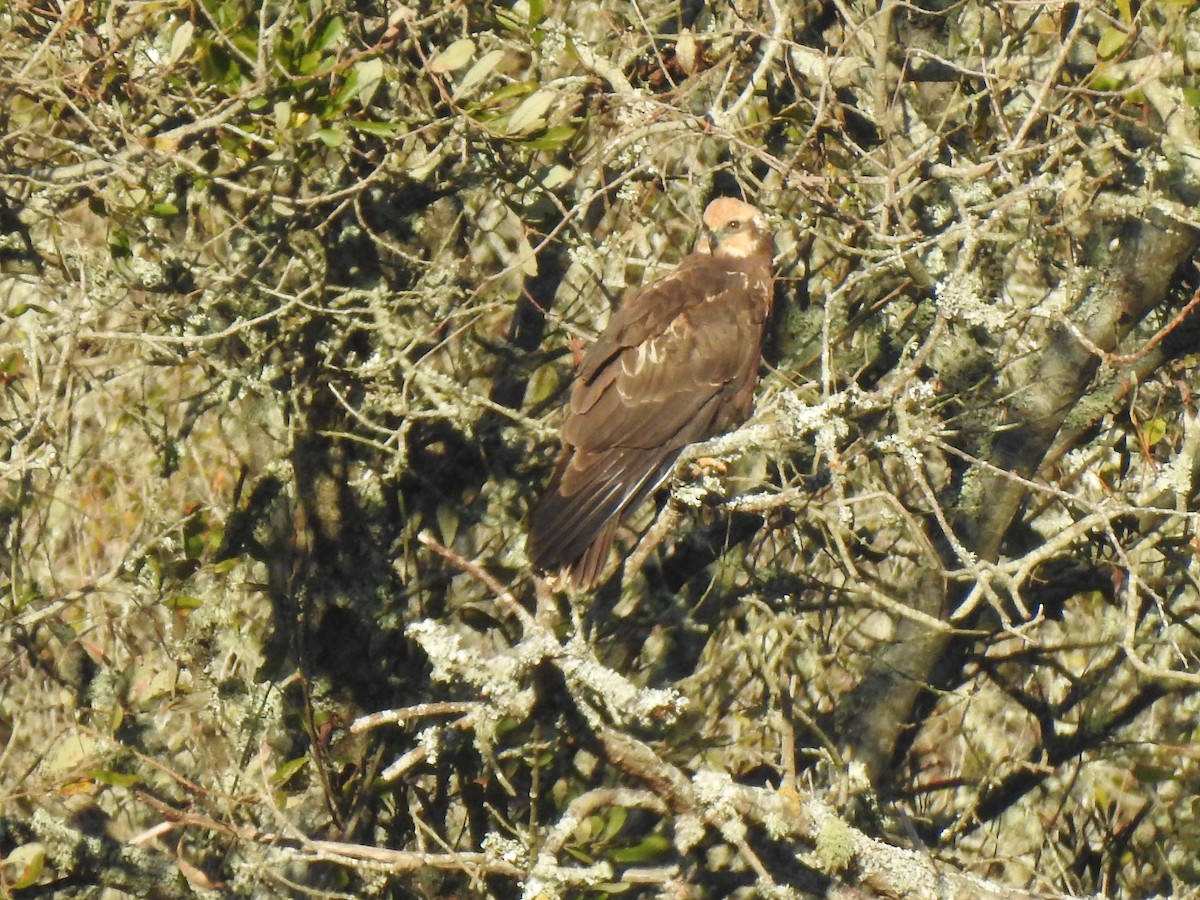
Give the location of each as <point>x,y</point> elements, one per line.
<point>706,466</point>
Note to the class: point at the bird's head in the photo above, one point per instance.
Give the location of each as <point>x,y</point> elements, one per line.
<point>734,229</point>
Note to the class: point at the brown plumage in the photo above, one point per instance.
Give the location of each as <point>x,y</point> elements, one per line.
<point>676,364</point>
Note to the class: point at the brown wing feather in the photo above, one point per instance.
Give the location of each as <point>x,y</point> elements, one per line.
<point>675,364</point>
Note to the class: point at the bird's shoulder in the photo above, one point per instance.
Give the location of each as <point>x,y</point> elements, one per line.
<point>701,287</point>
<point>698,280</point>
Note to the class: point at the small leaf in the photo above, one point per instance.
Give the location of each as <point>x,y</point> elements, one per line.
<point>330,137</point>
<point>1153,431</point>
<point>453,57</point>
<point>183,601</point>
<point>331,34</point>
<point>529,114</point>
<point>575,853</point>
<point>246,41</point>
<point>614,823</point>
<point>349,88</point>
<point>181,40</point>
<point>651,846</point>
<point>447,519</point>
<point>551,138</point>
<point>510,18</point>
<point>370,76</point>
<point>1110,42</point>
<point>226,16</point>
<point>482,69</point>
<point>1192,96</point>
<point>554,176</point>
<point>519,89</point>
<point>1105,81</point>
<point>379,129</point>
<point>309,63</point>
<point>284,773</point>
<point>685,51</point>
<point>537,12</point>
<point>115,718</point>
<point>118,243</point>
<point>114,779</point>
<point>164,210</point>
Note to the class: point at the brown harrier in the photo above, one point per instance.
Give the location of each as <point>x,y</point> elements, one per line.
<point>676,364</point>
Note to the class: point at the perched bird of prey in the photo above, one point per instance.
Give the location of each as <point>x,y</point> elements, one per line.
<point>676,364</point>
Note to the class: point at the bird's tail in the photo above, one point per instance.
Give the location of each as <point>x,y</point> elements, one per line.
<point>575,530</point>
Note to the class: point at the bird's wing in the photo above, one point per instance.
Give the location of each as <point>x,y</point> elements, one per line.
<point>678,360</point>
<point>677,345</point>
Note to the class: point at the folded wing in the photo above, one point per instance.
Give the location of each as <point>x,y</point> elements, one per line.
<point>676,364</point>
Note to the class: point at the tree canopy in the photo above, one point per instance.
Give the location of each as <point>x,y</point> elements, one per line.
<point>290,296</point>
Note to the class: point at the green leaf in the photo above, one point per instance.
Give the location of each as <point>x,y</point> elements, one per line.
<point>508,19</point>
<point>115,779</point>
<point>529,114</point>
<point>370,75</point>
<point>586,858</point>
<point>19,310</point>
<point>181,41</point>
<point>1110,42</point>
<point>1153,431</point>
<point>225,15</point>
<point>1105,81</point>
<point>164,210</point>
<point>330,137</point>
<point>614,822</point>
<point>284,773</point>
<point>183,601</point>
<point>246,41</point>
<point>453,57</point>
<point>1192,96</point>
<point>482,69</point>
<point>379,129</point>
<point>551,138</point>
<point>343,94</point>
<point>518,89</point>
<point>447,519</point>
<point>118,243</point>
<point>537,12</point>
<point>650,847</point>
<point>314,63</point>
<point>333,31</point>
<point>553,176</point>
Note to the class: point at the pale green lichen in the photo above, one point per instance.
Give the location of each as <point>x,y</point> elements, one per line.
<point>835,845</point>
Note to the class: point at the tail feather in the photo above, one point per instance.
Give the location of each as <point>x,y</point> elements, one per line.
<point>576,530</point>
<point>586,571</point>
